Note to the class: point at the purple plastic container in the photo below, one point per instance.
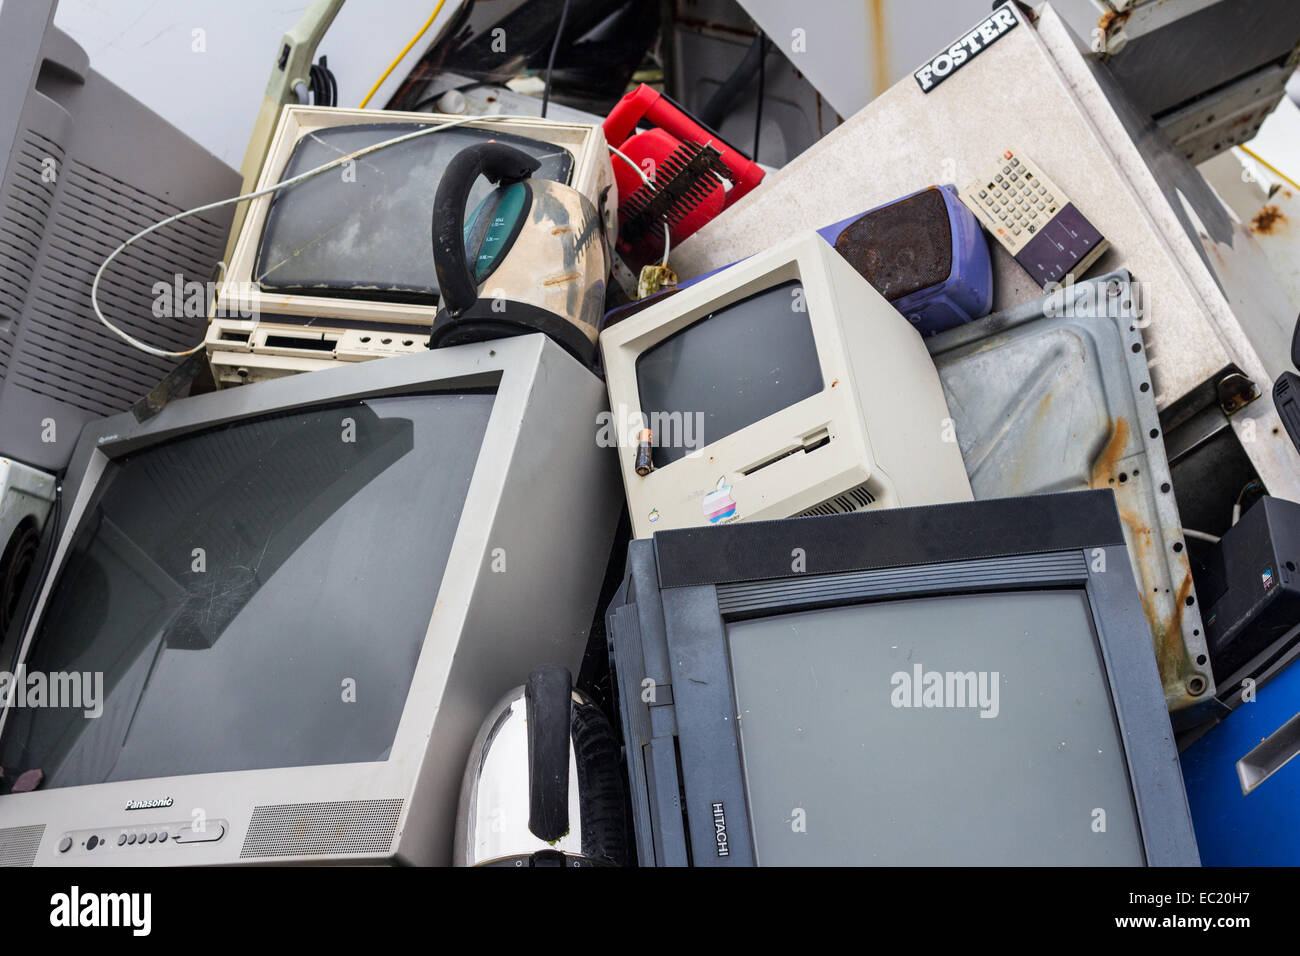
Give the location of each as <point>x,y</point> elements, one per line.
<point>925,253</point>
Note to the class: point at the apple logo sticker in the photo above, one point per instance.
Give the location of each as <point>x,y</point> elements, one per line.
<point>718,505</point>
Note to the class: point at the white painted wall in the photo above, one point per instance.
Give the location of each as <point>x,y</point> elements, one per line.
<point>148,47</point>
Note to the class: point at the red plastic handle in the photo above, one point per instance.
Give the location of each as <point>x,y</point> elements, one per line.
<point>649,104</point>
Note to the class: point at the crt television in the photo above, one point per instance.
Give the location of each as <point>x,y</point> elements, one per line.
<point>301,598</point>
<point>340,268</point>
<point>783,385</point>
<point>959,684</point>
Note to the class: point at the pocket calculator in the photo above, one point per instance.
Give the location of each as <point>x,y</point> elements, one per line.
<point>1034,221</point>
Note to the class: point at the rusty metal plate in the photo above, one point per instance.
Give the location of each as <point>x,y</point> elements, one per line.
<point>1054,395</point>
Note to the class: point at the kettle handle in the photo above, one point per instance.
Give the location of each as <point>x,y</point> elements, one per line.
<point>547,699</point>
<point>500,163</point>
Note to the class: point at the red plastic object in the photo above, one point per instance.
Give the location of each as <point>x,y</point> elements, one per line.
<point>645,104</point>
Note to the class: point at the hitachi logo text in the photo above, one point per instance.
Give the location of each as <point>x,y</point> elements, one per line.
<point>133,910</point>
<point>720,829</point>
<point>922,688</point>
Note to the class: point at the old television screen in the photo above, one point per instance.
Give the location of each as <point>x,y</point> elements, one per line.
<point>227,585</point>
<point>852,753</point>
<point>363,230</point>
<point>734,367</point>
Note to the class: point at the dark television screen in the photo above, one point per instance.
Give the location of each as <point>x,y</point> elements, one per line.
<point>728,370</point>
<point>255,595</point>
<point>853,754</point>
<point>363,230</point>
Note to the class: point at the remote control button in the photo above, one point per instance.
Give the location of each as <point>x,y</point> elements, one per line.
<point>1015,230</point>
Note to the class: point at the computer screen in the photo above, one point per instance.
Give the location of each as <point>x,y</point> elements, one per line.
<point>1013,697</point>
<point>364,230</point>
<point>734,367</point>
<point>255,595</point>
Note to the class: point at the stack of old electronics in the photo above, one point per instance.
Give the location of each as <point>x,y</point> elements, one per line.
<point>338,268</point>
<point>867,522</point>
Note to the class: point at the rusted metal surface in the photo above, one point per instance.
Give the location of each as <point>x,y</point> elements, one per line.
<point>1267,219</point>
<point>1054,395</point>
<point>919,226</point>
<point>1236,392</point>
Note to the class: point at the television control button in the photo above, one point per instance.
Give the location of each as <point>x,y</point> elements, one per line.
<point>162,836</point>
<point>92,843</point>
<point>153,837</point>
<point>213,832</point>
<point>121,839</point>
<point>65,844</point>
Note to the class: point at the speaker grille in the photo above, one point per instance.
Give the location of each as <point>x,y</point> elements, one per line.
<point>307,829</point>
<point>903,247</point>
<point>18,845</point>
<point>22,223</point>
<point>855,499</point>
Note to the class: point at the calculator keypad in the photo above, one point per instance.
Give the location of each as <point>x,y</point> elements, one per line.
<point>1015,202</point>
<point>1029,216</point>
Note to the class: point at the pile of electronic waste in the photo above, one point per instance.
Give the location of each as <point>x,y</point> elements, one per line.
<point>550,488</point>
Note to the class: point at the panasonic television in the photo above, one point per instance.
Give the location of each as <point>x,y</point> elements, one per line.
<point>956,684</point>
<point>340,268</point>
<point>280,612</point>
<point>783,385</point>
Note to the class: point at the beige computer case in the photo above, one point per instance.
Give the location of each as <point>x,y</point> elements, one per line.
<point>254,335</point>
<point>878,435</point>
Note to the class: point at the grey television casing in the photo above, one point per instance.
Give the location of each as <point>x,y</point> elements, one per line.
<point>85,166</point>
<point>668,628</point>
<point>543,491</point>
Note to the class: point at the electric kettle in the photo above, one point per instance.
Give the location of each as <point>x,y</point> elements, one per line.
<point>543,785</point>
<point>534,257</point>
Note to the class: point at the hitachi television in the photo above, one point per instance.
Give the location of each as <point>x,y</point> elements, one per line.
<point>274,616</point>
<point>783,385</point>
<point>340,268</point>
<point>958,684</point>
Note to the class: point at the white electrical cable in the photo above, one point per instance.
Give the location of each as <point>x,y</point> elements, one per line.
<point>1200,536</point>
<point>163,353</point>
<point>645,179</point>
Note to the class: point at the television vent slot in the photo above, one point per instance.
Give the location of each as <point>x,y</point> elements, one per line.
<point>26,210</point>
<point>316,829</point>
<point>64,353</point>
<point>18,845</point>
<point>855,499</point>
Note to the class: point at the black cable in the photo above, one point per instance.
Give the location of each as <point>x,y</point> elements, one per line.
<point>324,87</point>
<point>762,82</point>
<point>724,97</point>
<point>550,62</point>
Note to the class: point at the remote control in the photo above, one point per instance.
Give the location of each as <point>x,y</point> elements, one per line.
<point>1034,220</point>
